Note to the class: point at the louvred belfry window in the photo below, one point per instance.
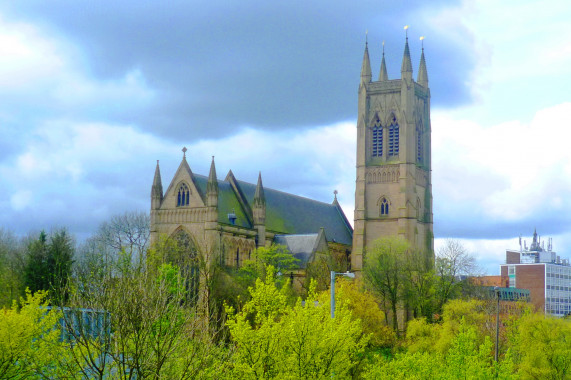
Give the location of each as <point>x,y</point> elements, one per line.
<point>394,138</point>
<point>377,139</point>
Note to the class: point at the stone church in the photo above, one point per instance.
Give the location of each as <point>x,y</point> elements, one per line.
<point>230,218</point>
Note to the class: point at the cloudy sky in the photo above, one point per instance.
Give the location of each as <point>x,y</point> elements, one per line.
<point>93,93</point>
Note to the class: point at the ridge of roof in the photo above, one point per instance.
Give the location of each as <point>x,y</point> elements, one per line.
<point>271,189</point>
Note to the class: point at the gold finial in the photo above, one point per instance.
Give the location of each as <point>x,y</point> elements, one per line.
<point>422,42</point>
<point>406,31</point>
<point>366,37</point>
<point>383,47</point>
<point>184,152</point>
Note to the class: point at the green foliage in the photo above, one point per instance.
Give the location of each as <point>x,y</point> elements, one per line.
<point>416,366</point>
<point>384,271</point>
<point>11,268</point>
<point>422,336</point>
<point>274,340</point>
<point>156,332</point>
<point>541,347</point>
<point>364,307</point>
<point>231,285</point>
<point>276,256</point>
<point>49,264</point>
<point>29,340</point>
<point>468,357</point>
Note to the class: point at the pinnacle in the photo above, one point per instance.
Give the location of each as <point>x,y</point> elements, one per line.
<point>422,72</point>
<point>259,195</point>
<point>366,67</point>
<point>406,62</point>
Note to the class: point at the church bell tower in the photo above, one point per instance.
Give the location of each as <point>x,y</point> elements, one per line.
<point>393,194</point>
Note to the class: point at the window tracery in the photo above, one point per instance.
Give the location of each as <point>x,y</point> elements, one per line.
<point>183,195</point>
<point>384,207</point>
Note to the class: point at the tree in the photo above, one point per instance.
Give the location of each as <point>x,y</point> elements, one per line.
<point>277,256</point>
<point>452,261</point>
<point>274,340</point>
<point>12,262</point>
<point>127,232</point>
<point>541,346</point>
<point>49,263</point>
<point>29,340</point>
<point>419,283</point>
<point>384,271</point>
<point>468,357</point>
<point>363,306</point>
<point>157,333</point>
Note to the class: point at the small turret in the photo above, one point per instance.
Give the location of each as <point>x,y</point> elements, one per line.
<point>383,73</point>
<point>422,73</point>
<point>157,189</point>
<point>366,67</point>
<point>212,186</point>
<point>259,212</point>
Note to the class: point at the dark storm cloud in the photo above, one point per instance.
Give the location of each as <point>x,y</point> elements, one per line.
<point>216,67</point>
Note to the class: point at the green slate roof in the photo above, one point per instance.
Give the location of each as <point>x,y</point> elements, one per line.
<point>285,213</point>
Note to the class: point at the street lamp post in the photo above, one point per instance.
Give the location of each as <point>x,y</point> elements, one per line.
<point>333,274</point>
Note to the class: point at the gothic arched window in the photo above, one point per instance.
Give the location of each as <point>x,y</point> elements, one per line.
<point>384,207</point>
<point>183,195</point>
<point>184,255</point>
<point>377,139</point>
<point>394,137</point>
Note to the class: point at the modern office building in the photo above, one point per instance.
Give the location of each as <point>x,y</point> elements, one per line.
<point>543,272</point>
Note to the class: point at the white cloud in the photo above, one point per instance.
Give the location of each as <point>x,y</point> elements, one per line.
<point>28,58</point>
<point>313,162</point>
<point>510,170</point>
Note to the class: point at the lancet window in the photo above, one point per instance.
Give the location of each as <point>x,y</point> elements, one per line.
<point>183,195</point>
<point>384,207</point>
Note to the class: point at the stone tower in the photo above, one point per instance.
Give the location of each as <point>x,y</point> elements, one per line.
<point>393,194</point>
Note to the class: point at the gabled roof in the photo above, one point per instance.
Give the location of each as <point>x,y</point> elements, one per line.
<point>285,213</point>
<point>303,246</point>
